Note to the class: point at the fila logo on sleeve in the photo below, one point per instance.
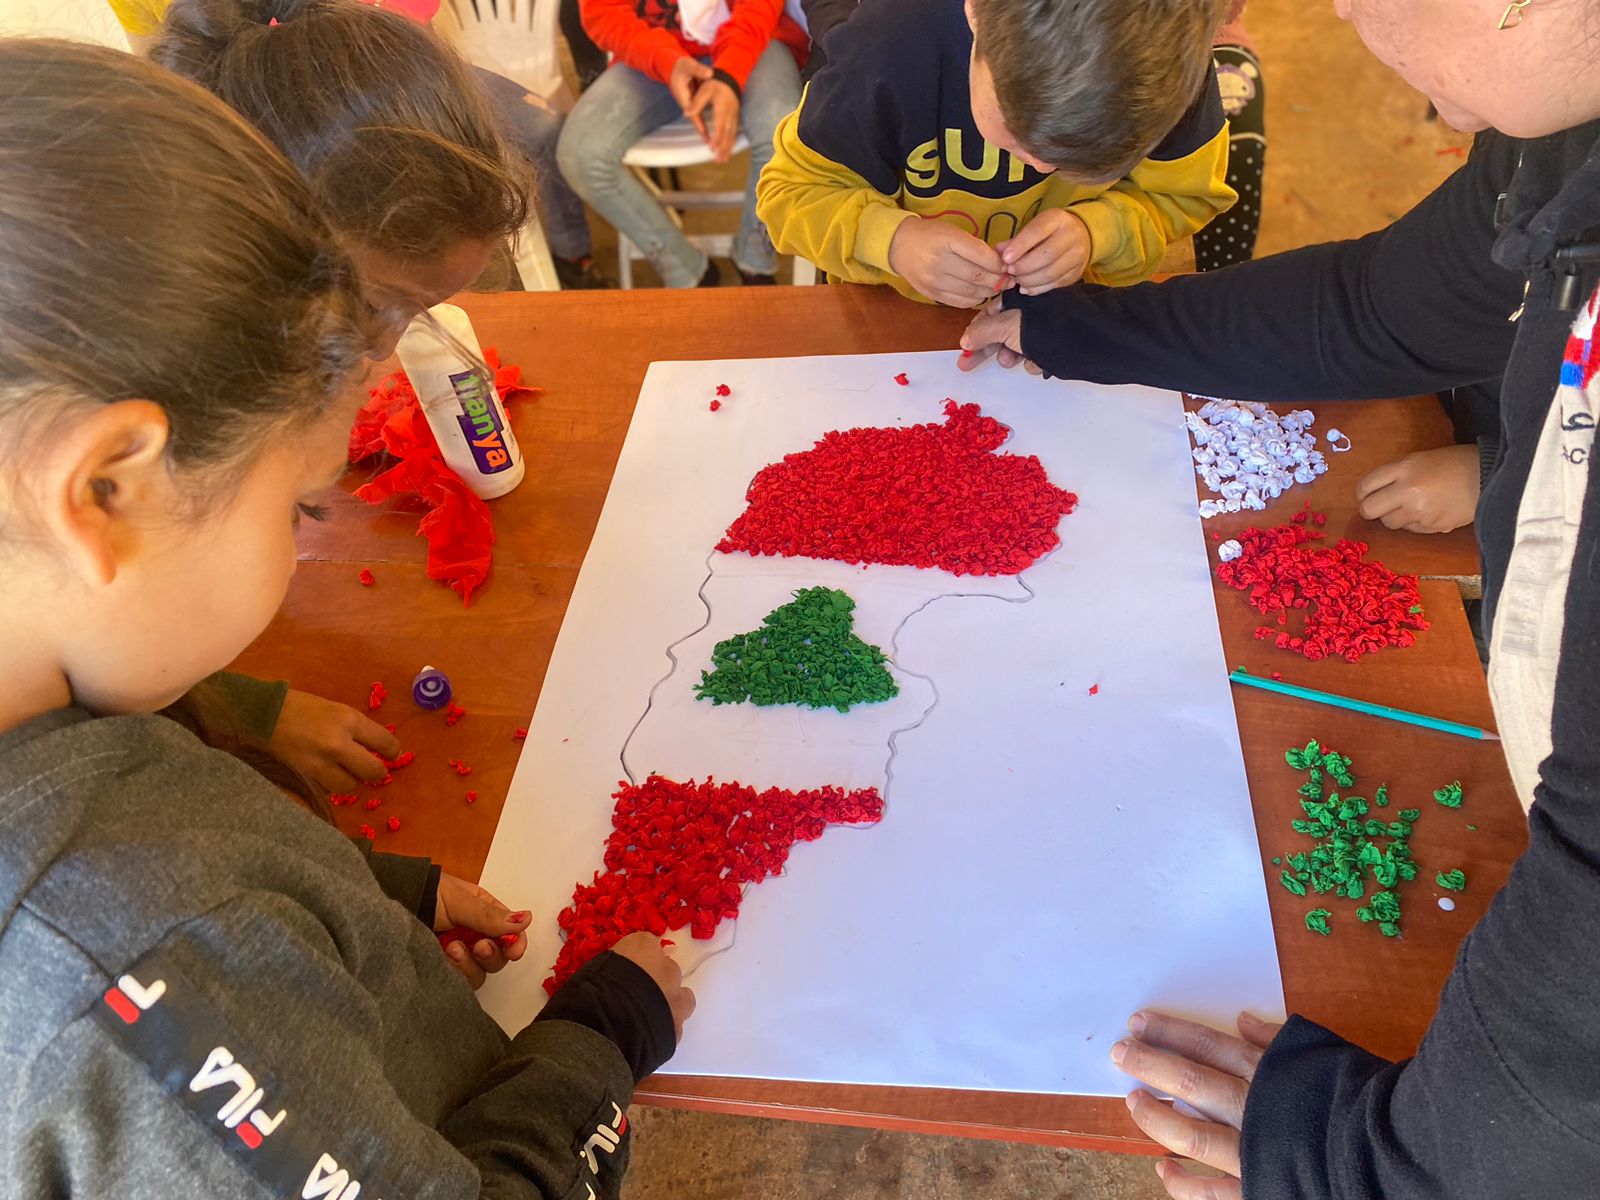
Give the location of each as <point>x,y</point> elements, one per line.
<point>195,1055</point>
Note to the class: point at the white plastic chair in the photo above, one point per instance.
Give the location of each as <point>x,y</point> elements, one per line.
<point>678,144</point>
<point>516,39</point>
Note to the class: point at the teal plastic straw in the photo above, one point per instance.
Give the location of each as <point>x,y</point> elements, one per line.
<point>1361,706</point>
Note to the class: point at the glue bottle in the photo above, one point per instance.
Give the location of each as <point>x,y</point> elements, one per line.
<point>460,401</point>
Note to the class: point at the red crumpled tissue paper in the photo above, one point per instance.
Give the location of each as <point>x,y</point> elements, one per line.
<point>458,526</point>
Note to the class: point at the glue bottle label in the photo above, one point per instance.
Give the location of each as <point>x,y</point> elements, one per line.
<point>480,423</point>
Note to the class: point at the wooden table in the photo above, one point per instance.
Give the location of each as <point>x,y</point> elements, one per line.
<point>589,351</point>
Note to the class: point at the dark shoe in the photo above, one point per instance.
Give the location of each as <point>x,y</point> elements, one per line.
<point>751,279</point>
<point>711,278</point>
<point>581,274</point>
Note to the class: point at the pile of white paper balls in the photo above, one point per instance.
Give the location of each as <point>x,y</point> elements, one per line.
<point>1247,454</point>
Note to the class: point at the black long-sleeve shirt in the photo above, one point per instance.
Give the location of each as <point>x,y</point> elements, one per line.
<point>1501,1100</point>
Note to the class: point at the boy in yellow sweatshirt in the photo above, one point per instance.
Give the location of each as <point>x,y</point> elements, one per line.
<point>955,150</point>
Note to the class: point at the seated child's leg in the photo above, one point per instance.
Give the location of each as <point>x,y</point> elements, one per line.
<point>1231,238</point>
<point>770,94</point>
<point>617,110</point>
<point>533,127</point>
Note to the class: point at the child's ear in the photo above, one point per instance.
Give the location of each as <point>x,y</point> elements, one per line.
<point>109,466</point>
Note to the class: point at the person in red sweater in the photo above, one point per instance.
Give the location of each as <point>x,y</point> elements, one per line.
<point>730,66</point>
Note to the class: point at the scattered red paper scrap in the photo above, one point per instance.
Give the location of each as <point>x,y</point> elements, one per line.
<point>459,933</point>
<point>394,824</point>
<point>903,379</point>
<point>453,714</point>
<point>520,735</point>
<point>472,797</point>
<point>680,854</point>
<point>1094,689</point>
<point>390,728</point>
<point>367,578</point>
<point>367,831</point>
<point>507,940</point>
<point>1278,675</point>
<point>371,803</point>
<point>458,527</point>
<point>459,767</point>
<point>714,405</point>
<point>724,390</point>
<point>966,354</point>
<point>340,799</point>
<point>377,696</point>
<point>405,759</point>
<point>1352,606</point>
<point>934,495</point>
<point>388,778</point>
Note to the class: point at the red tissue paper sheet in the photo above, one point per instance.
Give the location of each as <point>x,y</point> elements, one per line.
<point>680,854</point>
<point>933,495</point>
<point>1352,606</point>
<point>458,526</point>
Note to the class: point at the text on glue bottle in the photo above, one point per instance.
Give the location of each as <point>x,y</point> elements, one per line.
<point>458,398</point>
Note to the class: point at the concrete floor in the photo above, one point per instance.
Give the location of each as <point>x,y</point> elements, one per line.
<point>1350,148</point>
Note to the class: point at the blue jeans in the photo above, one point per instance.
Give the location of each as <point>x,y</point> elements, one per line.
<point>621,107</point>
<point>533,128</point>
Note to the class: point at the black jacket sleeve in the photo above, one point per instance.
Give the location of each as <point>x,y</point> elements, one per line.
<point>1500,1102</point>
<point>1417,307</point>
<point>614,997</point>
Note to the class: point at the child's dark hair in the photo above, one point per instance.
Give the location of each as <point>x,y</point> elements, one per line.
<point>386,121</point>
<point>154,246</point>
<point>1092,86</point>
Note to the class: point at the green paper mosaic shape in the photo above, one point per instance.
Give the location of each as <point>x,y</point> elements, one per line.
<point>806,652</point>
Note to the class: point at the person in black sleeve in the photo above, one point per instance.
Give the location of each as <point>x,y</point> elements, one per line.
<point>1491,278</point>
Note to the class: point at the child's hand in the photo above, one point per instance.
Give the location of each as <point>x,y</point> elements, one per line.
<point>1431,491</point>
<point>686,73</point>
<point>1050,251</point>
<point>723,128</point>
<point>1207,1070</point>
<point>330,744</point>
<point>945,263</point>
<point>467,905</point>
<point>644,950</point>
<point>994,333</point>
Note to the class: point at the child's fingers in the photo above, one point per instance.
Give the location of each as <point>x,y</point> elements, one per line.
<point>1039,265</point>
<point>355,758</point>
<point>971,250</point>
<point>1183,1184</point>
<point>1024,243</point>
<point>375,737</point>
<point>461,959</point>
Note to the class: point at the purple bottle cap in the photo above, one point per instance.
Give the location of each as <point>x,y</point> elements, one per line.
<point>431,688</point>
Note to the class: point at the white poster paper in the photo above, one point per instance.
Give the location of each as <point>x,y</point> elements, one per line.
<point>1049,861</point>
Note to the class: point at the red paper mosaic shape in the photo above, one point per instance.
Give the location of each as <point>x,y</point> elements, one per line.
<point>935,495</point>
<point>680,855</point>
